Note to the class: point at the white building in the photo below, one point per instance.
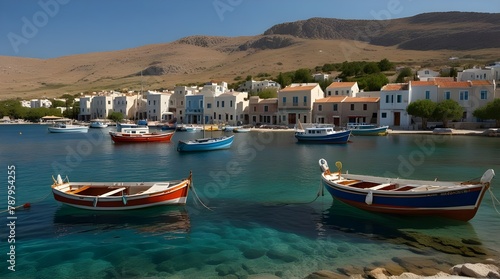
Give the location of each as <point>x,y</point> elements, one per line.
<point>157,106</point>
<point>177,103</point>
<point>477,74</point>
<point>394,99</point>
<point>40,103</point>
<point>258,86</point>
<point>125,104</point>
<point>230,108</point>
<point>426,74</point>
<point>85,103</point>
<point>101,106</point>
<point>349,89</point>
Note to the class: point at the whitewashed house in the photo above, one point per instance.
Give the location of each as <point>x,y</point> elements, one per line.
<point>477,74</point>
<point>157,106</point>
<point>125,104</point>
<point>231,108</point>
<point>177,102</point>
<point>84,114</point>
<point>349,89</point>
<point>258,86</point>
<point>426,74</point>
<point>394,99</point>
<point>101,106</point>
<point>295,102</point>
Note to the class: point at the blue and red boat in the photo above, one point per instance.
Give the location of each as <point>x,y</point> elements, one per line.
<point>322,133</point>
<point>455,200</point>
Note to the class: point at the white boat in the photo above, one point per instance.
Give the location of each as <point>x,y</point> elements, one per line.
<point>443,131</point>
<point>362,129</point>
<point>98,124</point>
<point>322,133</point>
<point>67,128</point>
<point>241,130</point>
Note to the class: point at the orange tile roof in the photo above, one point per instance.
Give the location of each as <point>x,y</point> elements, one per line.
<point>422,83</point>
<point>362,99</point>
<point>453,84</point>
<point>442,78</point>
<point>394,87</point>
<point>299,88</point>
<point>481,82</point>
<point>334,99</point>
<point>341,84</point>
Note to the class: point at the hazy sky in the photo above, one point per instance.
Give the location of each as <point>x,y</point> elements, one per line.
<point>53,28</point>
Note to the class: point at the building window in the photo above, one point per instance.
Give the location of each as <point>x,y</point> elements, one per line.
<point>427,95</point>
<point>335,107</point>
<point>352,106</point>
<point>218,103</point>
<point>386,99</point>
<point>484,95</point>
<point>295,101</point>
<point>231,103</point>
<point>336,92</point>
<point>447,95</point>
<point>399,98</point>
<point>284,101</point>
<point>266,108</point>
<point>222,103</point>
<point>384,114</point>
<point>254,108</point>
<point>305,100</point>
<point>464,95</point>
<point>320,107</point>
<point>209,105</point>
<point>365,107</point>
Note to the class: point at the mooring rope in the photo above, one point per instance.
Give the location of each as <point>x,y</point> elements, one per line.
<point>26,205</point>
<point>198,198</point>
<point>318,194</point>
<point>493,199</point>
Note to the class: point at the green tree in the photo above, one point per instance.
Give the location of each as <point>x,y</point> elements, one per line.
<point>284,79</point>
<point>268,93</point>
<point>406,72</point>
<point>423,109</point>
<point>371,68</point>
<point>385,65</point>
<point>447,110</point>
<point>372,82</point>
<point>115,116</point>
<point>302,76</point>
<point>490,111</point>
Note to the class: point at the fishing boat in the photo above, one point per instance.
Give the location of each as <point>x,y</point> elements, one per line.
<point>322,133</point>
<point>120,195</point>
<point>205,144</point>
<point>454,200</point>
<point>67,128</point>
<point>139,134</point>
<point>362,129</point>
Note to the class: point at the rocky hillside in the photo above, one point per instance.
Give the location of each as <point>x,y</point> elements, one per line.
<point>430,31</point>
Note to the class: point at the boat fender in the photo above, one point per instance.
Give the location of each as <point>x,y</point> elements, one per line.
<point>487,176</point>
<point>95,201</point>
<point>124,198</point>
<point>323,165</point>
<point>369,198</point>
<point>59,179</point>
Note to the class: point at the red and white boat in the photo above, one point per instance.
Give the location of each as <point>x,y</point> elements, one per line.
<point>139,134</point>
<point>120,195</point>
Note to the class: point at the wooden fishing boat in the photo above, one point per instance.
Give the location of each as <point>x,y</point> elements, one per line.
<point>120,195</point>
<point>139,134</point>
<point>455,200</point>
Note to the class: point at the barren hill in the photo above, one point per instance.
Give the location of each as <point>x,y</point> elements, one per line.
<point>423,39</point>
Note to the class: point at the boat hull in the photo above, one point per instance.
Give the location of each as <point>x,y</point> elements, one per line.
<point>68,130</point>
<point>338,137</point>
<point>208,144</point>
<point>370,132</point>
<point>130,138</point>
<point>176,195</point>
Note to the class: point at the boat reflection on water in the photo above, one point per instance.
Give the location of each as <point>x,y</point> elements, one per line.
<point>170,221</point>
<point>440,234</point>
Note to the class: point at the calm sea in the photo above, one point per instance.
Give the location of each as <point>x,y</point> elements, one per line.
<point>264,215</point>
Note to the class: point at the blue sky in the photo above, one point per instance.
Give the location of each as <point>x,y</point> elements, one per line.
<point>53,28</point>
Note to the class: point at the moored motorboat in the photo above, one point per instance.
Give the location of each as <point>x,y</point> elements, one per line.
<point>68,128</point>
<point>361,129</point>
<point>120,195</point>
<point>455,200</point>
<point>322,133</point>
<point>98,124</point>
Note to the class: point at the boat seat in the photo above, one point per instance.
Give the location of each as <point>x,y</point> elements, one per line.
<point>348,182</point>
<point>113,192</point>
<point>81,189</point>
<point>378,187</point>
<point>156,188</point>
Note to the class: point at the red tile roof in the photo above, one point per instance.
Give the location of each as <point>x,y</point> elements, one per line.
<point>362,99</point>
<point>334,99</point>
<point>422,83</point>
<point>299,88</point>
<point>481,82</point>
<point>453,84</point>
<point>394,87</point>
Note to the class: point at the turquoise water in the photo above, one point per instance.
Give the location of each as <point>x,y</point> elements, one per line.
<point>264,217</point>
